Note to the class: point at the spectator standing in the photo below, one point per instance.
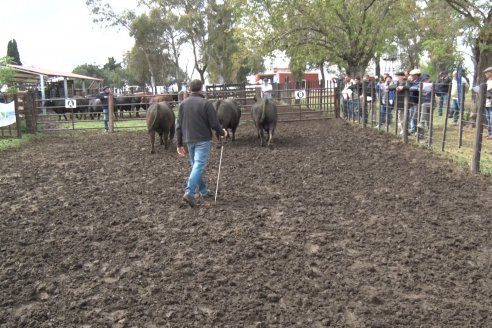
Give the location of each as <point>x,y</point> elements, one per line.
<point>425,100</point>
<point>196,120</point>
<point>387,96</point>
<point>456,106</point>
<point>442,90</point>
<point>488,101</point>
<point>413,99</point>
<point>399,88</point>
<point>266,89</point>
<point>104,97</point>
<point>347,97</point>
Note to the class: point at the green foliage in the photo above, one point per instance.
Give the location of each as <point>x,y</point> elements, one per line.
<point>6,74</point>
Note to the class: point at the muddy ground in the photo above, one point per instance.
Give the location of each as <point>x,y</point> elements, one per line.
<point>333,227</point>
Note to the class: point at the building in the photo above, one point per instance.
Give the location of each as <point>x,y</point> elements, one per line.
<point>283,77</point>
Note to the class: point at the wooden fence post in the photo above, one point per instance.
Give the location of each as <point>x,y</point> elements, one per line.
<point>477,145</point>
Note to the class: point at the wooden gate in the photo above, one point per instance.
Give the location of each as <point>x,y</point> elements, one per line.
<point>24,107</point>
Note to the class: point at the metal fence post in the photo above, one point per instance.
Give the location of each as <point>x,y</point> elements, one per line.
<point>111,112</point>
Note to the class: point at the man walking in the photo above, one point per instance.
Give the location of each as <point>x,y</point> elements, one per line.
<point>196,120</point>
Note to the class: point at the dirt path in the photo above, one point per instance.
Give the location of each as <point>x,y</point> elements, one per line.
<point>334,227</point>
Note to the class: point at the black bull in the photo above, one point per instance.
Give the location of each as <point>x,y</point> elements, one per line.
<point>229,114</point>
<point>264,115</point>
<point>160,118</point>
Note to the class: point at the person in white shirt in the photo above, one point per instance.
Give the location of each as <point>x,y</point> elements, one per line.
<point>455,105</point>
<point>488,101</point>
<point>266,89</point>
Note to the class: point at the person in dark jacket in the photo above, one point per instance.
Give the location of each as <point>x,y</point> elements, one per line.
<point>196,120</point>
<point>104,97</point>
<point>400,93</point>
<point>442,90</point>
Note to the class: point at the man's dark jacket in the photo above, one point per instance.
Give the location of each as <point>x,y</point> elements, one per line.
<point>196,120</point>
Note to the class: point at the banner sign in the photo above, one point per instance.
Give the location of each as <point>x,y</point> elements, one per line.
<point>7,114</point>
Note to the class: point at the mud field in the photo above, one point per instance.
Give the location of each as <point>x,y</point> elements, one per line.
<point>333,227</point>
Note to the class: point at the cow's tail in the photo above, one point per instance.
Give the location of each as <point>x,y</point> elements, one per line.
<point>263,110</point>
<point>153,114</point>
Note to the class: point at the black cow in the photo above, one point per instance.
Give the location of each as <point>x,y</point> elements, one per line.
<point>82,108</point>
<point>265,117</point>
<point>160,119</point>
<point>126,103</point>
<point>229,114</point>
<point>95,108</point>
<point>58,106</point>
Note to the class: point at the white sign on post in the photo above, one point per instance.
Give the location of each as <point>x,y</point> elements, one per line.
<point>7,114</point>
<point>300,94</point>
<point>70,103</point>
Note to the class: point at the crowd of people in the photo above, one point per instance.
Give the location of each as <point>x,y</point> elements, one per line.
<point>389,93</point>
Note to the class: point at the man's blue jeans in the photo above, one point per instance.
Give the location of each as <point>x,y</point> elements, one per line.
<point>106,118</point>
<point>411,119</point>
<point>443,103</point>
<point>382,114</point>
<point>455,110</point>
<point>198,156</point>
<point>488,114</point>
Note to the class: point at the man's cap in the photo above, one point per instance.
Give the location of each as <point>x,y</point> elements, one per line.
<point>265,79</point>
<point>488,69</point>
<point>424,76</point>
<point>414,71</point>
<point>400,74</point>
<point>443,73</point>
<point>106,87</point>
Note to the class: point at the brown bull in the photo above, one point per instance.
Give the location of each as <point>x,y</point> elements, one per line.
<point>160,119</point>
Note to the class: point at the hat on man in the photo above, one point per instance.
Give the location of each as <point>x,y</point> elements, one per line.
<point>424,76</point>
<point>400,74</point>
<point>414,71</point>
<point>488,69</point>
<point>105,87</point>
<point>443,73</point>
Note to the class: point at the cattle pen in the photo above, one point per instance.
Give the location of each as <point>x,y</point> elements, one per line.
<point>307,103</point>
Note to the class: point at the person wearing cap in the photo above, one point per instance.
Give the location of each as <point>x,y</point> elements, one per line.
<point>196,120</point>
<point>104,97</point>
<point>455,106</point>
<point>266,89</point>
<point>425,100</point>
<point>413,99</point>
<point>488,101</point>
<point>442,90</point>
<point>399,87</point>
<point>387,97</point>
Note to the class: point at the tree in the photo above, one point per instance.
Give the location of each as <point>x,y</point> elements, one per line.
<point>6,73</point>
<point>13,52</point>
<point>344,32</point>
<point>477,26</point>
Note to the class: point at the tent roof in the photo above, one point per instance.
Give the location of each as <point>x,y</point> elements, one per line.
<point>31,74</point>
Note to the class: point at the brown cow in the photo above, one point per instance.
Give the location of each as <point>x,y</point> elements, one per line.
<point>160,119</point>
<point>170,98</point>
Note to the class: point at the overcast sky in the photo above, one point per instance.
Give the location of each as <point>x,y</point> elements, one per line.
<point>61,35</point>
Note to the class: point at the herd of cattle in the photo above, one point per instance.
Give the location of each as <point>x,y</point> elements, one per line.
<point>161,120</point>
<point>160,116</point>
<point>91,106</point>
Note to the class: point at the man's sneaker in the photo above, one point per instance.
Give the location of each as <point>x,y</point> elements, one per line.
<point>208,194</point>
<point>190,200</point>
